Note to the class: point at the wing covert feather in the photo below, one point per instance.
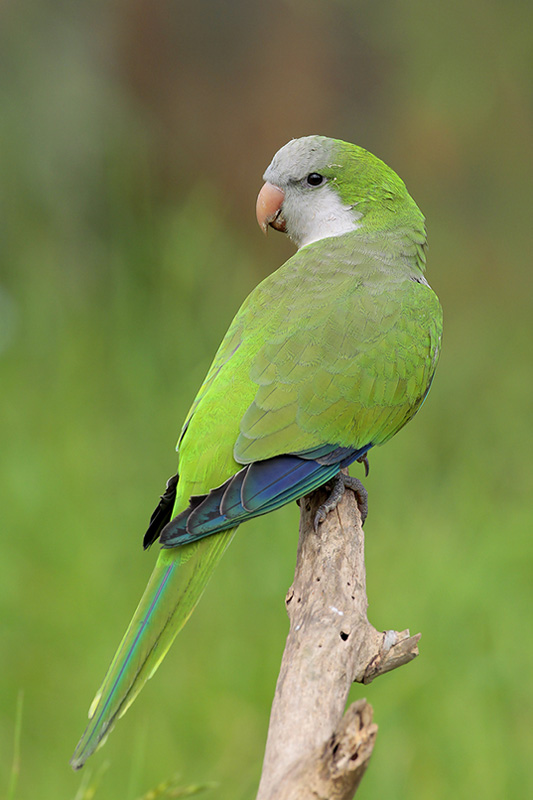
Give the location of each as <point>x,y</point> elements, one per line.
<point>352,369</point>
<point>336,347</point>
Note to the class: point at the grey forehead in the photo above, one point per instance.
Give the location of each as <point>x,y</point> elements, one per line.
<point>299,157</point>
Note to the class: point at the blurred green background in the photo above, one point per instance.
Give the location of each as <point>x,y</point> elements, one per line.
<point>133,137</point>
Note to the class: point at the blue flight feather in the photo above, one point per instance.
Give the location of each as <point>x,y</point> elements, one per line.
<point>256,489</point>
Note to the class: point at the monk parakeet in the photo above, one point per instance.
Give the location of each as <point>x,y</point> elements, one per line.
<point>329,356</point>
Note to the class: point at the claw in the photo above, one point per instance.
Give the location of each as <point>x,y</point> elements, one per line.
<point>364,460</point>
<point>340,484</point>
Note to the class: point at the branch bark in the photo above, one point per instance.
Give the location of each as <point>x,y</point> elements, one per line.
<point>312,750</point>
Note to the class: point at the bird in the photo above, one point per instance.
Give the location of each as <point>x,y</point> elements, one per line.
<point>328,357</point>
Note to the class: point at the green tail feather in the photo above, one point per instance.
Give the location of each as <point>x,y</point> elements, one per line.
<point>174,589</point>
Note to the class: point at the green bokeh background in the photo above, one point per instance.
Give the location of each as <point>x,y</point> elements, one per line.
<point>133,137</point>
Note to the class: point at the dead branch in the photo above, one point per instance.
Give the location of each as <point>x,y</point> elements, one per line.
<point>314,749</point>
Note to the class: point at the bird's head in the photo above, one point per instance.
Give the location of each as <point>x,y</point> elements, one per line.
<point>318,187</point>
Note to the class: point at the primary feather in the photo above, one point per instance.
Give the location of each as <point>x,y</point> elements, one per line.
<point>329,356</point>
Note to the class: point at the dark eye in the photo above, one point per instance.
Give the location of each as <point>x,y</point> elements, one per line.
<point>314,179</point>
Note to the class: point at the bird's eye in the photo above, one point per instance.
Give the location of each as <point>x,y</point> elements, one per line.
<point>314,179</point>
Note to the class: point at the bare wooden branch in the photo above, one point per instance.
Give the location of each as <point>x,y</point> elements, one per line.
<point>334,770</point>
<point>312,751</point>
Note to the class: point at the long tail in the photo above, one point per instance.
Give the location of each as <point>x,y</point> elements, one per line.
<point>174,589</point>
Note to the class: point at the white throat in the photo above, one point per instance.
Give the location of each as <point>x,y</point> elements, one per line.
<point>317,216</point>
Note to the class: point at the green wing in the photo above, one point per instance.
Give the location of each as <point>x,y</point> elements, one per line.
<point>350,359</point>
<point>338,346</point>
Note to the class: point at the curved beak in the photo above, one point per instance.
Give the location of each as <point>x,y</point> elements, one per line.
<point>268,208</point>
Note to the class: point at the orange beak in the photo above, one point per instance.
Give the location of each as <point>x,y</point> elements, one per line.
<point>268,208</point>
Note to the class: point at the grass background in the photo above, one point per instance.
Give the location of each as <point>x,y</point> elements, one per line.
<point>133,138</point>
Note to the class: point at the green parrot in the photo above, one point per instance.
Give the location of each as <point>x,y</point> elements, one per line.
<point>329,356</point>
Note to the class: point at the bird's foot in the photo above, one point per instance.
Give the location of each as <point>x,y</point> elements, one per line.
<point>340,484</point>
